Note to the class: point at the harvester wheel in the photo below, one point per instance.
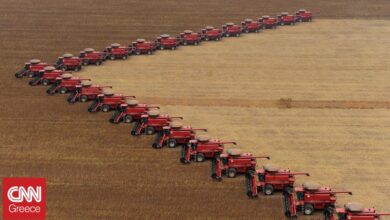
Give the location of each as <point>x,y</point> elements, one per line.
<point>98,63</point>
<point>30,74</point>
<point>292,23</point>
<point>257,30</point>
<point>173,48</point>
<point>268,190</point>
<point>238,35</point>
<point>105,108</point>
<point>196,43</point>
<point>264,27</point>
<point>85,63</point>
<point>200,157</point>
<point>149,52</point>
<point>217,39</point>
<point>45,82</point>
<point>246,31</point>
<point>227,35</point>
<point>149,130</point>
<point>281,23</point>
<point>138,52</point>
<point>63,90</point>
<point>128,119</point>
<point>184,43</point>
<point>77,68</point>
<point>83,98</point>
<point>162,47</point>
<point>124,57</point>
<point>112,57</point>
<point>172,143</point>
<point>232,172</point>
<point>308,209</point>
<point>64,68</point>
<point>329,210</point>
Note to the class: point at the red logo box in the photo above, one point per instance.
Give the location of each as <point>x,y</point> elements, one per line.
<point>24,198</point>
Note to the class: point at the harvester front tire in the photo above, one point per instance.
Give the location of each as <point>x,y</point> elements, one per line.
<point>128,119</point>
<point>30,75</point>
<point>45,82</point>
<point>105,108</point>
<point>63,90</point>
<point>268,190</point>
<point>200,157</point>
<point>232,173</point>
<point>149,130</point>
<point>83,98</point>
<point>308,209</point>
<point>172,143</point>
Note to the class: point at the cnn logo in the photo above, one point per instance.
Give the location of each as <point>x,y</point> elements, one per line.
<point>24,198</point>
<point>23,194</point>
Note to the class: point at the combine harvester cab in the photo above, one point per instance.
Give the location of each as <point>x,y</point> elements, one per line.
<point>302,15</point>
<point>233,162</point>
<point>46,76</point>
<point>211,33</point>
<point>269,179</point>
<point>130,111</point>
<point>175,134</point>
<point>90,56</point>
<point>286,19</point>
<point>189,37</point>
<point>64,84</point>
<point>141,46</point>
<point>250,26</point>
<point>231,30</point>
<point>202,148</point>
<point>115,51</point>
<point>354,211</point>
<point>152,122</point>
<point>86,92</point>
<point>108,101</point>
<point>68,62</point>
<point>268,22</point>
<point>309,197</point>
<point>31,69</point>
<point>165,41</point>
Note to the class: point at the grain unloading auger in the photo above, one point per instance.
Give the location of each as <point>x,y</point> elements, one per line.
<point>175,134</point>
<point>269,179</point>
<point>202,148</point>
<point>233,162</point>
<point>353,211</point>
<point>310,197</point>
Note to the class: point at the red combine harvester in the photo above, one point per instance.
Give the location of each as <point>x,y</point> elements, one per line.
<point>108,101</point>
<point>116,51</point>
<point>310,197</point>
<point>31,68</point>
<point>249,25</point>
<point>202,148</point>
<point>268,22</point>
<point>65,83</point>
<point>211,33</point>
<point>233,162</point>
<point>68,62</point>
<point>189,37</point>
<point>90,56</point>
<point>286,19</point>
<point>47,76</point>
<point>165,41</point>
<point>175,134</point>
<point>270,178</point>
<point>141,46</point>
<point>354,211</point>
<point>86,91</point>
<point>151,123</point>
<point>130,111</point>
<point>303,16</point>
<point>230,29</point>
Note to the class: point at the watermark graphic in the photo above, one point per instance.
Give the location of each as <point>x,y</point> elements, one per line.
<point>24,198</point>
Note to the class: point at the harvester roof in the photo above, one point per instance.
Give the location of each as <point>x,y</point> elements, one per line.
<point>132,102</point>
<point>154,113</point>
<point>115,45</point>
<point>49,68</point>
<point>233,152</point>
<point>203,137</point>
<point>86,83</point>
<point>176,124</point>
<point>164,35</point>
<point>66,76</point>
<point>89,50</point>
<point>35,61</point>
<point>140,40</point>
<point>271,168</point>
<point>67,55</point>
<point>188,32</point>
<point>108,92</point>
<point>354,207</point>
<point>312,186</point>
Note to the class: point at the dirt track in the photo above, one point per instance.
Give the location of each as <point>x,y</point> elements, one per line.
<point>93,169</point>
